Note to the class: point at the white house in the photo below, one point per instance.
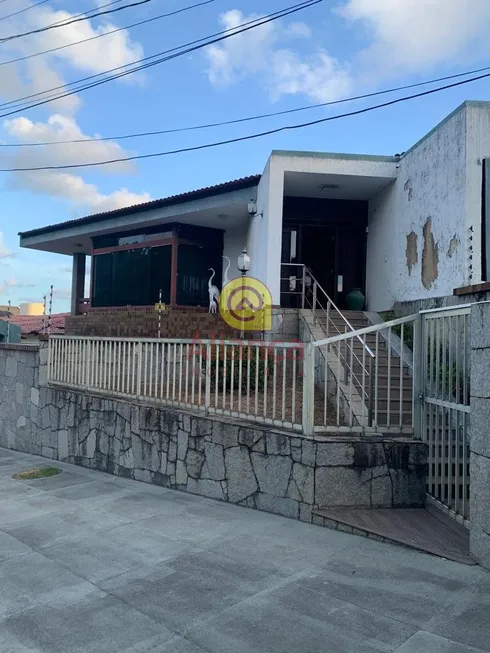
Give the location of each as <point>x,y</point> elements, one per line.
<point>405,227</point>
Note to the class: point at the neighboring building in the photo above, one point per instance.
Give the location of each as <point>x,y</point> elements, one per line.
<point>32,326</point>
<point>32,308</point>
<point>401,228</point>
<point>6,310</point>
<point>9,334</point>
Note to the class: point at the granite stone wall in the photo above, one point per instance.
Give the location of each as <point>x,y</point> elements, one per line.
<point>238,462</point>
<point>480,434</point>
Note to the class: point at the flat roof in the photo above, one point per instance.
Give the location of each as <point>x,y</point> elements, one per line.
<point>201,193</point>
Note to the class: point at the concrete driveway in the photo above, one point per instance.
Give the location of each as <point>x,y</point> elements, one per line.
<point>95,564</point>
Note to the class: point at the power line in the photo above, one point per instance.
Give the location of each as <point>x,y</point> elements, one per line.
<point>75,20</point>
<point>21,11</point>
<point>112,31</point>
<point>250,136</point>
<point>249,118</point>
<point>203,42</point>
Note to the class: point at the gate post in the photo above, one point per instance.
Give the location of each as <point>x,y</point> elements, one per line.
<point>309,389</point>
<point>419,346</point>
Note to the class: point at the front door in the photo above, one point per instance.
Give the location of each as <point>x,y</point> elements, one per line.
<point>318,254</point>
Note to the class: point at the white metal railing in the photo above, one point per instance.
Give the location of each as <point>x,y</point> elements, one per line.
<point>445,407</point>
<point>251,380</point>
<point>349,390</point>
<point>331,320</point>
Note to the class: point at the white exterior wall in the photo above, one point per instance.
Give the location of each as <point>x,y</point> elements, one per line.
<point>478,148</point>
<point>234,242</point>
<point>432,183</point>
<point>265,234</point>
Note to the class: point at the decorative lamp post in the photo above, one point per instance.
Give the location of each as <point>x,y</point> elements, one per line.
<point>244,263</point>
<point>243,268</point>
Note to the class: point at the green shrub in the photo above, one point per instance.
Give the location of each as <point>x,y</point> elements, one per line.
<point>256,368</point>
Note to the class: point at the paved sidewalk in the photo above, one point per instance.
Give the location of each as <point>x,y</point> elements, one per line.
<point>90,563</point>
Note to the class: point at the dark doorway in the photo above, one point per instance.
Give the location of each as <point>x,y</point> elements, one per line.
<point>318,254</point>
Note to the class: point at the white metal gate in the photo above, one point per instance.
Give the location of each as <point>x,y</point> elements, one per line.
<point>445,406</point>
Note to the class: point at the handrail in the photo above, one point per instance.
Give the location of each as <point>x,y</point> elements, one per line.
<point>369,351</point>
<point>372,329</point>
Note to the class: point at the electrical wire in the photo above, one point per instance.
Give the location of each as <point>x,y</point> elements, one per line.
<point>112,31</point>
<point>21,11</point>
<point>74,20</point>
<point>248,118</point>
<point>203,42</point>
<point>249,137</point>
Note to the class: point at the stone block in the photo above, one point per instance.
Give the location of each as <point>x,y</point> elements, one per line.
<point>308,453</point>
<point>376,454</point>
<point>277,505</point>
<point>305,512</point>
<point>239,474</point>
<point>11,367</point>
<point>206,488</point>
<point>409,488</point>
<point>21,422</point>
<point>194,462</point>
<point>344,528</point>
<point>277,444</point>
<point>318,520</point>
<point>215,461</point>
<point>303,477</point>
<point>225,434</point>
<point>340,487</point>
<point>202,427</point>
<point>63,450</point>
<point>143,475</point>
<point>181,475</point>
<point>251,437</point>
<point>182,444</point>
<point>172,451</point>
<point>480,492</point>
<point>19,393</point>
<point>382,492</point>
<point>480,546</point>
<point>480,426</point>
<point>480,380</point>
<point>272,473</point>
<point>334,454</point>
<point>480,326</point>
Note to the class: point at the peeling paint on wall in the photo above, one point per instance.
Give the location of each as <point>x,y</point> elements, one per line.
<point>453,246</point>
<point>412,251</point>
<point>408,189</point>
<point>430,256</point>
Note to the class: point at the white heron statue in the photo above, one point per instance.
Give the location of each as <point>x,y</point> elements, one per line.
<point>213,293</point>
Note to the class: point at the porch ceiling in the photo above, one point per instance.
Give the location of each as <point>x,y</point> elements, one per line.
<point>225,211</point>
<point>332,186</point>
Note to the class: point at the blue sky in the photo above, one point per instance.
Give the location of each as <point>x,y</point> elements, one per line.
<point>336,49</point>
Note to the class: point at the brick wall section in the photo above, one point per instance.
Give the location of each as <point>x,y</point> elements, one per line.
<point>131,323</point>
<point>179,322</point>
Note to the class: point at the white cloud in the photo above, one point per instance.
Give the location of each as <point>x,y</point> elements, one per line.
<point>95,56</point>
<point>62,128</point>
<point>320,77</point>
<point>39,73</point>
<point>417,35</point>
<point>241,55</point>
<point>76,190</point>
<point>403,37</point>
<point>62,184</point>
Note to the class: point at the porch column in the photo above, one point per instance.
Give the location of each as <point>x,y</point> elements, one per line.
<point>77,282</point>
<point>174,269</point>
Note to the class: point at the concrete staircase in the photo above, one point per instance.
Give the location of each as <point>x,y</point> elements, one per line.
<point>393,391</point>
